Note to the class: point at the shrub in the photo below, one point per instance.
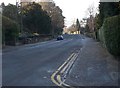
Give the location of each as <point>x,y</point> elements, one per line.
<point>111,34</point>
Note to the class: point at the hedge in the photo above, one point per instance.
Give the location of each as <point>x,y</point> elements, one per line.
<point>111,34</point>
<point>101,36</point>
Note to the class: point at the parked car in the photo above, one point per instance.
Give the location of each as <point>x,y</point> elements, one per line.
<point>60,37</point>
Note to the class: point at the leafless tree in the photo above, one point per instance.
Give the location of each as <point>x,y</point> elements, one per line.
<point>91,10</point>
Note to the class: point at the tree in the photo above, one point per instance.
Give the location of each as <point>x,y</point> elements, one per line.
<point>2,5</point>
<point>78,26</point>
<point>11,11</point>
<point>35,19</point>
<point>91,10</point>
<point>9,31</point>
<point>108,9</point>
<point>87,28</point>
<point>90,20</point>
<point>57,18</point>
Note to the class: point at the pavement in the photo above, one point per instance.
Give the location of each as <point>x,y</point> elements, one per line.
<point>34,64</point>
<point>94,67</point>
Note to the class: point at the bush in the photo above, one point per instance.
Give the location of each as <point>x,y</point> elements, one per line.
<point>111,34</point>
<point>10,31</point>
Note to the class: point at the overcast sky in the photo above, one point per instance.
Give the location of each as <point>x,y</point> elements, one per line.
<point>72,9</point>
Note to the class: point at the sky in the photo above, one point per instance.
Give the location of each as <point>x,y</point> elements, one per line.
<point>72,9</point>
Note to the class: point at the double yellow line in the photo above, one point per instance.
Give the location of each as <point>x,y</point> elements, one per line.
<point>58,76</point>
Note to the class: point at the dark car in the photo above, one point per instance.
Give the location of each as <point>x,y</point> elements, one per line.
<point>60,37</point>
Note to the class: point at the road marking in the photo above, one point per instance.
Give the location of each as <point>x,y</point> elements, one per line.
<point>59,76</point>
<point>66,61</point>
<point>68,64</point>
<point>53,79</point>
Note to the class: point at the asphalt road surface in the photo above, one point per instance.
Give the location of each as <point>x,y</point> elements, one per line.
<point>33,65</point>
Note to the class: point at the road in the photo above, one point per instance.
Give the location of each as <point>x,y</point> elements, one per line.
<point>34,64</point>
<point>74,61</point>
